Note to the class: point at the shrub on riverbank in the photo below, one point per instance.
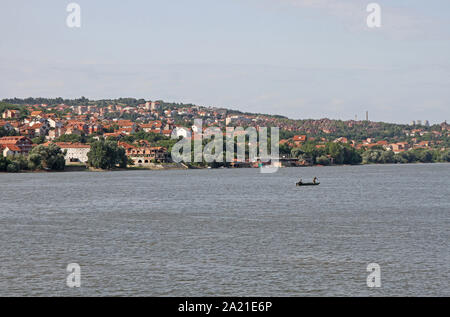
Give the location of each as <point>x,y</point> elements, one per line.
<point>445,156</point>
<point>12,168</point>
<point>336,153</point>
<point>107,155</point>
<point>323,160</point>
<point>412,156</point>
<point>47,157</point>
<point>41,157</point>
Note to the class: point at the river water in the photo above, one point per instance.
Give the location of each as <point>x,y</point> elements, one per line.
<point>230,232</point>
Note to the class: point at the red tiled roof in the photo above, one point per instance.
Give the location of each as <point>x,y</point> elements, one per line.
<point>12,147</point>
<point>112,134</point>
<point>299,138</point>
<point>65,145</point>
<point>36,113</point>
<point>36,126</point>
<point>13,139</point>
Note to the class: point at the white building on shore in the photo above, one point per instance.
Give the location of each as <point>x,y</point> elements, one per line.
<point>76,152</point>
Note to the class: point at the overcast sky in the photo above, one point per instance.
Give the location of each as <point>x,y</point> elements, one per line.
<point>299,58</point>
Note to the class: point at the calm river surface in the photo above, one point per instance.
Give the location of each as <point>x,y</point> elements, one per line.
<point>227,232</point>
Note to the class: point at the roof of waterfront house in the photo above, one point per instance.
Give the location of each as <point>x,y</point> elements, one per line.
<point>67,145</point>
<point>126,145</point>
<point>12,147</point>
<point>12,139</point>
<point>299,138</point>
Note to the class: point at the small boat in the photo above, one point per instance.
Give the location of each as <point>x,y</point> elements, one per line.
<point>307,184</point>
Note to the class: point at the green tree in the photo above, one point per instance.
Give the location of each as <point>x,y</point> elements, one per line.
<point>351,156</point>
<point>387,157</point>
<point>445,156</point>
<point>21,161</point>
<point>121,157</point>
<point>12,168</point>
<point>38,140</point>
<point>4,162</point>
<point>372,156</point>
<point>4,132</point>
<point>297,152</point>
<point>106,155</point>
<point>71,138</point>
<point>34,161</point>
<point>285,149</point>
<point>425,156</point>
<point>403,157</point>
<point>50,157</point>
<point>323,160</point>
<point>336,151</point>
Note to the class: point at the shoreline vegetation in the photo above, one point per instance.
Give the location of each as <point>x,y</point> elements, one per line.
<point>107,155</point>
<point>85,169</point>
<point>176,166</point>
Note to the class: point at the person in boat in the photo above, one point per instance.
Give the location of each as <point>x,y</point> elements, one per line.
<point>315,180</point>
<point>300,181</point>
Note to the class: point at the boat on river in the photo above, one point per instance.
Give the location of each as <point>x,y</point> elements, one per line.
<point>307,184</point>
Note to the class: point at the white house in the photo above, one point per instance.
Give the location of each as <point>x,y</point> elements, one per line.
<point>76,152</point>
<point>55,123</point>
<point>11,114</point>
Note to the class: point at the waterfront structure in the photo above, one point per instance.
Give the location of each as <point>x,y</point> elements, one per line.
<point>15,145</point>
<point>146,154</point>
<point>75,152</point>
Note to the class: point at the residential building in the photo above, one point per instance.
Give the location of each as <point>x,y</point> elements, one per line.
<point>16,144</point>
<point>75,152</point>
<point>11,114</point>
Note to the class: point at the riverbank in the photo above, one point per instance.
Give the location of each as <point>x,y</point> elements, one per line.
<point>179,166</point>
<point>149,167</point>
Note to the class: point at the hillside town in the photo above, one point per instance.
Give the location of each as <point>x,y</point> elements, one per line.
<point>144,129</point>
